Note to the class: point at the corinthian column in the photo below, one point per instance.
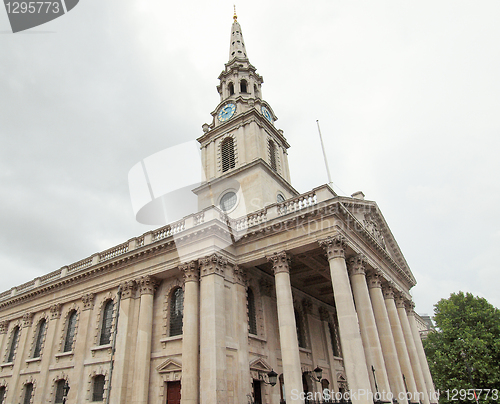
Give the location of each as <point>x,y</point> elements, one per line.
<point>412,352</point>
<point>147,286</point>
<point>213,330</point>
<point>118,393</point>
<point>287,326</point>
<point>421,355</point>
<point>399,340</point>
<point>387,340</point>
<point>368,328</point>
<point>190,388</point>
<point>350,335</point>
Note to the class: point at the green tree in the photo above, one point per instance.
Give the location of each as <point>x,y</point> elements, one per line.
<point>464,351</point>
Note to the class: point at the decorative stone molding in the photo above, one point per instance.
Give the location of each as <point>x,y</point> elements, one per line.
<point>128,289</point>
<point>191,271</point>
<point>27,319</point>
<point>372,228</point>
<point>62,339</point>
<point>59,376</point>
<point>374,281</point>
<point>281,262</point>
<point>239,275</point>
<point>307,306</point>
<point>4,326</point>
<point>147,285</point>
<point>35,336</point>
<point>266,287</point>
<point>324,314</point>
<point>334,246</point>
<point>55,311</point>
<point>31,380</point>
<point>410,307</point>
<point>388,291</point>
<point>88,301</point>
<point>356,265</point>
<point>213,264</point>
<point>400,301</point>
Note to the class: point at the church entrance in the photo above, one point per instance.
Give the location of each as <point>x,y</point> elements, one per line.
<point>174,392</point>
<point>257,391</point>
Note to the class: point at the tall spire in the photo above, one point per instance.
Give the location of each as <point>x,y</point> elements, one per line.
<point>237,45</point>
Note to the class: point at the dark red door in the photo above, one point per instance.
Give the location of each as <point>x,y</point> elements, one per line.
<point>173,392</point>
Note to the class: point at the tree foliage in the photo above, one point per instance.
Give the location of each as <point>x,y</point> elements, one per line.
<point>464,351</point>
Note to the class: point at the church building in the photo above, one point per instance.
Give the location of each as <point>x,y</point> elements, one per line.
<point>263,295</point>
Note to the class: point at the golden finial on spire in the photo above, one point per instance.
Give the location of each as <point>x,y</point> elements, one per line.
<point>235,17</point>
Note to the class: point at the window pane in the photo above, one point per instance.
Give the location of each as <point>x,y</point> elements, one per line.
<point>60,391</point>
<point>107,321</point>
<point>39,338</point>
<point>28,391</point>
<point>252,317</point>
<point>228,201</point>
<point>13,344</point>
<point>176,312</point>
<point>98,391</point>
<point>70,332</point>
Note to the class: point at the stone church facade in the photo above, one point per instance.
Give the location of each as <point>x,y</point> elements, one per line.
<point>261,278</point>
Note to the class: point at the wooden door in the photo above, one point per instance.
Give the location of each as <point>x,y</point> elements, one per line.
<point>173,392</point>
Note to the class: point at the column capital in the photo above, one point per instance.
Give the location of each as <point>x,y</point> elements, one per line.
<point>4,326</point>
<point>212,264</point>
<point>280,261</point>
<point>239,275</point>
<point>388,291</point>
<point>147,285</point>
<point>128,289</point>
<point>55,311</point>
<point>334,246</point>
<point>374,280</point>
<point>28,319</point>
<point>307,305</point>
<point>324,314</point>
<point>410,307</point>
<point>190,271</point>
<point>399,300</point>
<point>356,265</point>
<point>88,301</point>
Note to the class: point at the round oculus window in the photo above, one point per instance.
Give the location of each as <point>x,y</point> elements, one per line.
<point>280,198</point>
<point>228,201</point>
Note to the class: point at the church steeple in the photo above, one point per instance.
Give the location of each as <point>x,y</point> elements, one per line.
<point>237,45</point>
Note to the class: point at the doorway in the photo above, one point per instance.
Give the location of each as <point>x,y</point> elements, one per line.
<point>174,392</point>
<point>257,391</point>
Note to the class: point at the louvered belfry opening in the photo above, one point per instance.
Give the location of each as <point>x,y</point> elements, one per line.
<point>227,152</point>
<point>272,155</point>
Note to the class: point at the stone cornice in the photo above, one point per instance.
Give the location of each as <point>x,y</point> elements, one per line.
<point>280,262</point>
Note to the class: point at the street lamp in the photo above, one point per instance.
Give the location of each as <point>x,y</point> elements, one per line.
<point>272,378</point>
<point>318,372</point>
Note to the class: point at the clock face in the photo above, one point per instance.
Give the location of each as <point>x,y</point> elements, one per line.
<point>267,114</point>
<point>226,112</point>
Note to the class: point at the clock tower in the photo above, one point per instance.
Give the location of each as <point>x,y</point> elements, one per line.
<point>244,155</point>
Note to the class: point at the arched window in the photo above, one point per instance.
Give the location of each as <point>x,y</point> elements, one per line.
<point>107,322</point>
<point>272,155</point>
<point>2,394</point>
<point>70,332</point>
<point>252,314</point>
<point>39,338</point>
<point>28,392</point>
<point>230,86</point>
<point>243,86</point>
<point>227,152</point>
<point>60,391</point>
<point>176,312</point>
<point>300,330</point>
<point>98,388</point>
<point>13,344</point>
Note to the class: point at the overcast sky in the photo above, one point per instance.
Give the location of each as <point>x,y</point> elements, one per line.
<point>407,95</point>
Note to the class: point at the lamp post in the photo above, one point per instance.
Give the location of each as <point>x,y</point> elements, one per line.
<point>316,375</point>
<point>272,378</point>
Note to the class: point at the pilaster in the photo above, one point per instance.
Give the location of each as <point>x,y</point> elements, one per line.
<point>81,344</point>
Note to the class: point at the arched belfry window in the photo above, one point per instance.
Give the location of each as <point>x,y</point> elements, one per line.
<point>13,344</point>
<point>231,88</point>
<point>227,153</point>
<point>301,336</point>
<point>272,155</point>
<point>176,312</point>
<point>243,86</point>
<point>252,313</point>
<point>70,331</point>
<point>106,323</point>
<point>42,324</point>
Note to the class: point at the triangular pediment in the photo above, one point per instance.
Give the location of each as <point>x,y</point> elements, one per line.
<point>260,365</point>
<point>168,366</point>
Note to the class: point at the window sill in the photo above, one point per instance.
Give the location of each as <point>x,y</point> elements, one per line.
<point>7,364</point>
<point>258,338</point>
<point>101,347</point>
<point>307,350</point>
<point>164,341</point>
<point>31,360</point>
